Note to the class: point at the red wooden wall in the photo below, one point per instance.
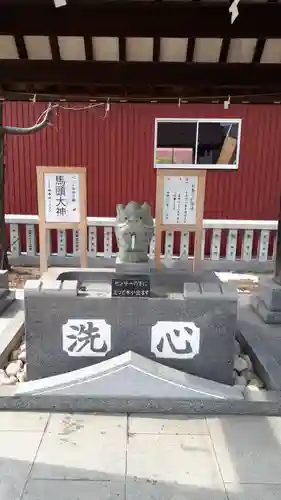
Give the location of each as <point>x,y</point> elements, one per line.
<point>118,153</point>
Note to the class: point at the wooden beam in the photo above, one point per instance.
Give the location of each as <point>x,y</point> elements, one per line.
<point>224,50</point>
<point>156,49</point>
<point>122,49</point>
<point>133,94</point>
<point>141,73</point>
<point>190,50</point>
<point>54,44</point>
<point>258,50</point>
<point>138,18</point>
<point>88,48</point>
<point>21,48</point>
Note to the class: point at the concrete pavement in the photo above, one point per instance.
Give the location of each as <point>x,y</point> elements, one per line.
<point>84,457</point>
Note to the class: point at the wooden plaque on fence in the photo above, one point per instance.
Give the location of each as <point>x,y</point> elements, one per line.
<point>180,198</point>
<point>62,204</point>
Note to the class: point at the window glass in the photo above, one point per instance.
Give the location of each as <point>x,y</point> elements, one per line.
<point>196,143</point>
<point>176,142</point>
<point>217,143</point>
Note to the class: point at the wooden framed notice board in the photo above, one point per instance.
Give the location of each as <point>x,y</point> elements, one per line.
<point>62,204</point>
<point>180,197</point>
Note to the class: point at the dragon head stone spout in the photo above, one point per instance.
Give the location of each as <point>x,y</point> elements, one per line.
<point>134,230</point>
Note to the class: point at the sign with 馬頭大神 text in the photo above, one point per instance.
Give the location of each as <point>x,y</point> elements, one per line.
<point>179,204</point>
<point>86,337</point>
<point>175,340</point>
<point>62,197</point>
<point>62,205</point>
<point>130,286</point>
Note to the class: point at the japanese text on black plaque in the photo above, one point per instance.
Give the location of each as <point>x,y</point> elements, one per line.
<point>130,287</point>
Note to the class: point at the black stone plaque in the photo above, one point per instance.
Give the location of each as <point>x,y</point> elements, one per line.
<point>130,286</point>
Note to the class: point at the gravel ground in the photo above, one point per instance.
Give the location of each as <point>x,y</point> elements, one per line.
<point>19,275</point>
<point>14,370</point>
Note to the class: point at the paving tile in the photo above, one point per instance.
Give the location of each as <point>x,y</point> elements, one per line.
<point>17,452</point>
<point>248,449</point>
<point>63,423</point>
<point>44,489</point>
<point>81,446</point>
<point>23,421</point>
<point>140,489</point>
<point>187,460</point>
<point>253,491</point>
<point>165,424</point>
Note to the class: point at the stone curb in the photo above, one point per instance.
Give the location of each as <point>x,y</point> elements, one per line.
<point>266,404</point>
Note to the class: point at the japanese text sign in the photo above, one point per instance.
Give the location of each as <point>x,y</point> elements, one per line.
<point>82,337</point>
<point>62,197</point>
<point>180,195</point>
<point>131,286</point>
<point>62,205</point>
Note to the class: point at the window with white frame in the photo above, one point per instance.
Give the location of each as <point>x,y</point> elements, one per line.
<point>197,143</point>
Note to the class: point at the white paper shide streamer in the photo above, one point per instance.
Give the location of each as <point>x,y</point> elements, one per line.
<point>233,9</point>
<point>60,3</point>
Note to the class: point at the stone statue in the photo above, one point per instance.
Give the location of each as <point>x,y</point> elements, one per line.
<point>134,230</point>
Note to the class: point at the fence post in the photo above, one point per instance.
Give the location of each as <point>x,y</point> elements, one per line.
<point>277,271</point>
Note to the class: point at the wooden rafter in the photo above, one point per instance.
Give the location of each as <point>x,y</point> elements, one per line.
<point>54,48</point>
<point>258,50</point>
<point>21,48</point>
<point>88,48</point>
<point>122,49</point>
<point>190,49</point>
<point>224,50</point>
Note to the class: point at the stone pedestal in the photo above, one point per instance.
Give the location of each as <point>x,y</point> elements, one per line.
<point>142,268</point>
<point>184,325</point>
<point>267,302</point>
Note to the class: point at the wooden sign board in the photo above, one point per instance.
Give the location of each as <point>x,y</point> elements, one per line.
<point>180,207</point>
<point>62,204</point>
<point>227,151</point>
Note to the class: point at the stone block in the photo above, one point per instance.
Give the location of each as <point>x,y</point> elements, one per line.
<point>6,296</point>
<point>268,316</point>
<point>132,267</point>
<point>210,290</point>
<point>194,333</point>
<point>70,286</point>
<point>4,280</point>
<point>191,289</point>
<point>51,286</point>
<point>270,294</point>
<point>254,336</point>
<point>6,299</point>
<point>11,329</point>
<point>32,286</point>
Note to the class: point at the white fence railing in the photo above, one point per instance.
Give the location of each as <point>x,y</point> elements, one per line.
<point>227,244</point>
